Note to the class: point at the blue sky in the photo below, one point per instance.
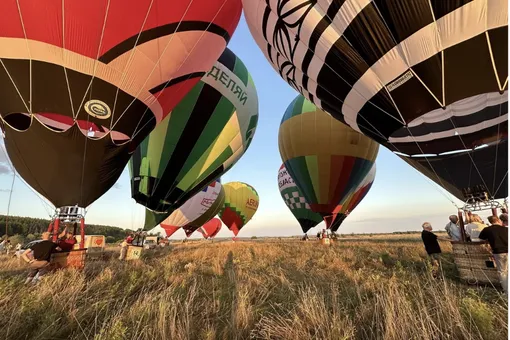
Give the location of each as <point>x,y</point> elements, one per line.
<point>400,199</point>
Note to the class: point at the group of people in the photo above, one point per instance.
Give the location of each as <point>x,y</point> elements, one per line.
<point>38,256</point>
<point>496,234</point>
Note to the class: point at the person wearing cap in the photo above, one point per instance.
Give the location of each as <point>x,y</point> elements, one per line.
<point>497,235</point>
<point>453,229</point>
<point>432,246</point>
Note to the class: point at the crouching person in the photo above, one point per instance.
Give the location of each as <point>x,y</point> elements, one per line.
<point>41,252</point>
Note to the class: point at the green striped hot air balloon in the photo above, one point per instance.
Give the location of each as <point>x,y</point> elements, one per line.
<point>203,137</point>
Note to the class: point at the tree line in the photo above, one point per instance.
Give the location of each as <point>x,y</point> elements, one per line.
<point>24,229</point>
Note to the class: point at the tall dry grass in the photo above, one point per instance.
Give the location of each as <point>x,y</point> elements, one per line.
<point>363,289</point>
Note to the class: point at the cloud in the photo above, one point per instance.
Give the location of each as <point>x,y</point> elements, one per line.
<point>117,186</point>
<point>5,190</point>
<point>5,169</point>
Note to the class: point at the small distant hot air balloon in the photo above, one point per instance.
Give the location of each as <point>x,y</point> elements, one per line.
<point>355,198</point>
<point>426,79</point>
<point>84,82</point>
<point>211,228</point>
<point>296,202</point>
<point>326,159</point>
<point>241,203</point>
<point>196,211</point>
<point>203,137</point>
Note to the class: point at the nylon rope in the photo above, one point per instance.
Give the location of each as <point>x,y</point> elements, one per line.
<point>9,204</point>
<point>423,176</point>
<point>124,71</point>
<point>496,156</point>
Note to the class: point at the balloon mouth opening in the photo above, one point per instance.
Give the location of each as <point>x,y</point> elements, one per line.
<point>18,121</point>
<point>21,121</point>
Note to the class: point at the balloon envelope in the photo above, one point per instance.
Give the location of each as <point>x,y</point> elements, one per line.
<point>196,211</point>
<point>170,229</point>
<point>84,82</point>
<point>241,203</point>
<point>355,198</point>
<point>207,132</point>
<point>211,228</point>
<point>326,158</point>
<point>427,79</point>
<point>296,202</point>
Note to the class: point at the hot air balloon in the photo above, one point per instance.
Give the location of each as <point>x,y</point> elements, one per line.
<point>196,211</point>
<point>326,158</point>
<point>427,79</point>
<point>355,198</point>
<point>203,137</point>
<point>84,82</point>
<point>210,229</point>
<point>296,202</point>
<point>241,203</point>
<point>170,230</point>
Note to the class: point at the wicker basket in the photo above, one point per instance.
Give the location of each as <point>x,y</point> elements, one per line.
<point>475,263</point>
<point>326,241</point>
<point>134,252</point>
<point>73,259</point>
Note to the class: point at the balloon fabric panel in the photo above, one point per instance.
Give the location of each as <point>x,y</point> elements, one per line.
<point>296,202</point>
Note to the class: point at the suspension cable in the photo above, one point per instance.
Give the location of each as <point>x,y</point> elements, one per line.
<point>9,205</point>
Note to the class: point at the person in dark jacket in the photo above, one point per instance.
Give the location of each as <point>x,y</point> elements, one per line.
<point>497,235</point>
<point>432,246</point>
<point>42,254</point>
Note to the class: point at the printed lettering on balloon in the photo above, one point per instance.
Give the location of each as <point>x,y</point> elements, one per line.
<point>252,204</point>
<point>229,83</point>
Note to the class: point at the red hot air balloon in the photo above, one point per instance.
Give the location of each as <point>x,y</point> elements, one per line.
<point>211,228</point>
<point>84,82</point>
<point>170,229</point>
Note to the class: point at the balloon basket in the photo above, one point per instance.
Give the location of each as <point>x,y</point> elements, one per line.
<point>475,263</point>
<point>71,259</point>
<point>133,252</point>
<point>326,241</point>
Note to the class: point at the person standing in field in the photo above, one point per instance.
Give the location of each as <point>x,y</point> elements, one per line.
<point>497,235</point>
<point>432,246</point>
<point>8,246</point>
<point>453,229</point>
<point>42,253</point>
<point>123,249</point>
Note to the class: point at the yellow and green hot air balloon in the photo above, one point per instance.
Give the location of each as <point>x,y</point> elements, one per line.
<point>203,137</point>
<point>241,203</point>
<point>326,158</point>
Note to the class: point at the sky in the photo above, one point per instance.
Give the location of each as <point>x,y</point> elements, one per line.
<point>401,199</point>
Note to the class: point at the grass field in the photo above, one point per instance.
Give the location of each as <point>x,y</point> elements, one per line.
<point>359,288</point>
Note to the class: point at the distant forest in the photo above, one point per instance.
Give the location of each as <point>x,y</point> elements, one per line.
<point>25,229</point>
